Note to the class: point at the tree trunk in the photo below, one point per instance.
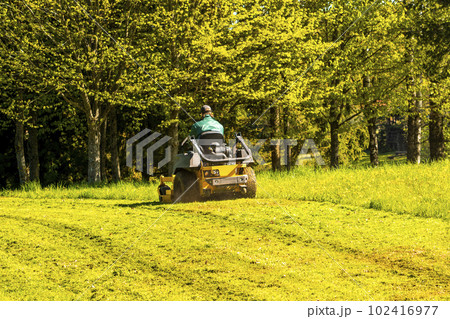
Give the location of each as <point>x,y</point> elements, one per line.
<point>286,134</point>
<point>371,116</point>
<point>20,154</point>
<point>334,130</point>
<point>373,141</point>
<point>415,130</point>
<point>334,147</point>
<point>94,137</point>
<point>103,142</point>
<point>115,161</point>
<point>414,123</point>
<point>275,123</point>
<point>173,133</point>
<point>33,150</point>
<point>436,138</point>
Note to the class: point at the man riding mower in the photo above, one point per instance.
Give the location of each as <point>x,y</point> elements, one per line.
<point>210,167</point>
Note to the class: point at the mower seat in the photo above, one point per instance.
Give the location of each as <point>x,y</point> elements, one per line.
<point>213,144</point>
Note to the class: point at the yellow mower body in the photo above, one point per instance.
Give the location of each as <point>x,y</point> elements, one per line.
<point>211,180</point>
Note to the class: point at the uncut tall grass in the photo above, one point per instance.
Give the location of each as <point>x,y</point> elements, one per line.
<point>419,190</point>
<point>123,190</point>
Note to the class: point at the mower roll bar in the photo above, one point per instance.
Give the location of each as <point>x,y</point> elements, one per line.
<point>238,139</point>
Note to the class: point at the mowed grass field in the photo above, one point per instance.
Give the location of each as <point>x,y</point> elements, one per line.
<point>349,234</point>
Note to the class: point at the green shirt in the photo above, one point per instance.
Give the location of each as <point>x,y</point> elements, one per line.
<point>207,124</point>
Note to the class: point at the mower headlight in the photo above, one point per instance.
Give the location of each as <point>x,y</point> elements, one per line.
<point>216,172</point>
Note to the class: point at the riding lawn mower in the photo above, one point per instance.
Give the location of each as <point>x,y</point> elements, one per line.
<point>210,169</point>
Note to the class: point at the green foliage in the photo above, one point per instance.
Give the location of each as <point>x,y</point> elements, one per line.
<point>306,58</point>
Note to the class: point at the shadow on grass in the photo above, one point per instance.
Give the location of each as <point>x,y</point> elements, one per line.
<point>218,197</point>
<point>140,204</point>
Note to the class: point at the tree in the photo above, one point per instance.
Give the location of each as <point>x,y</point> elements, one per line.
<point>273,44</point>
<point>22,70</point>
<point>338,70</point>
<point>433,29</point>
<point>86,66</point>
<point>427,27</point>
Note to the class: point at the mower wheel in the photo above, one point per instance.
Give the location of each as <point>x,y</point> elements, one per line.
<point>251,183</point>
<point>185,187</point>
